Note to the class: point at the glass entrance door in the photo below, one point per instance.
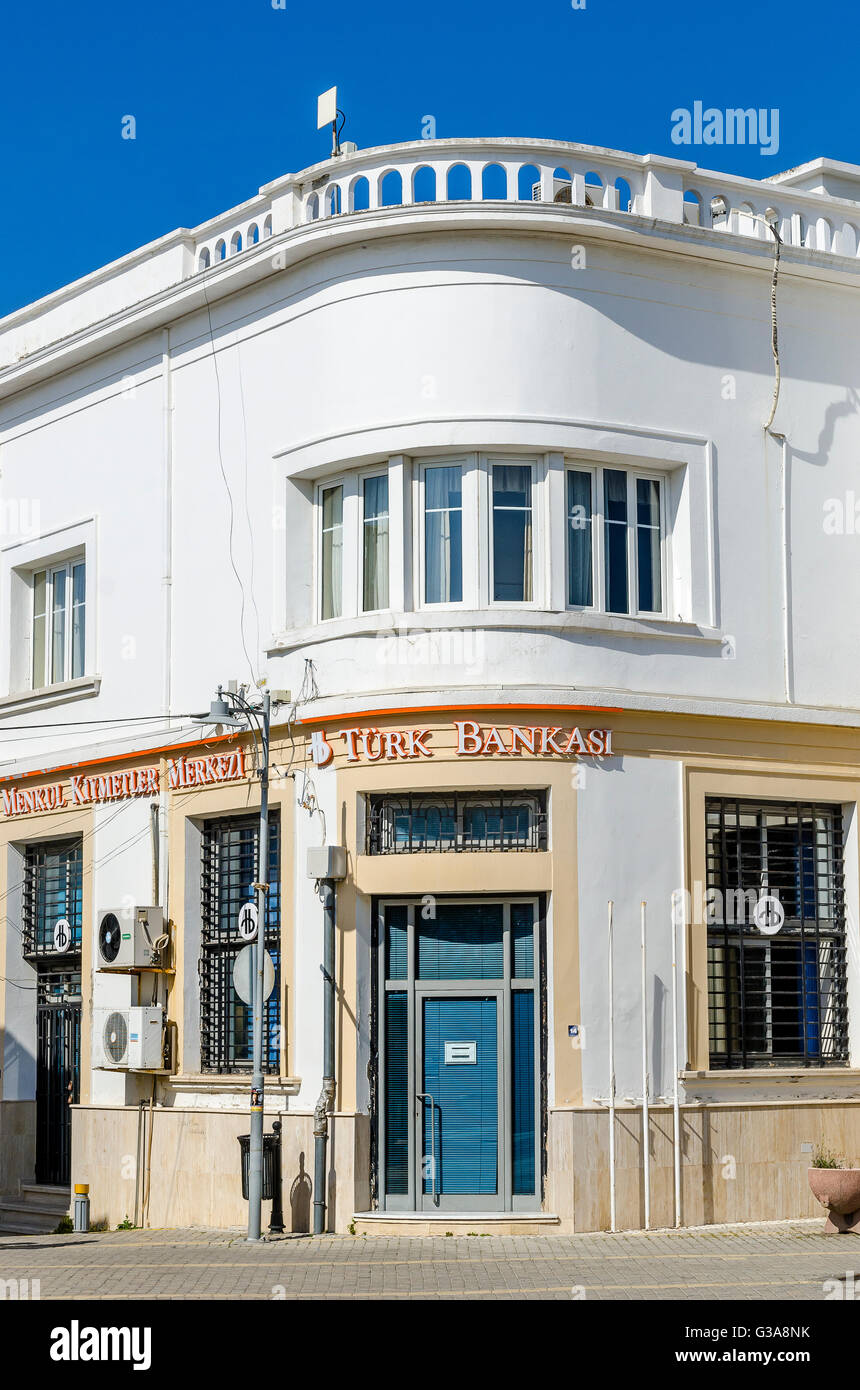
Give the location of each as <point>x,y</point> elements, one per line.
<point>459,1105</point>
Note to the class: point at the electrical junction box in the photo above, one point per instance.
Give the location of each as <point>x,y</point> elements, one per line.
<point>327,861</point>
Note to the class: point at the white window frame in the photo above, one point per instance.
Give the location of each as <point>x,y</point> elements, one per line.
<point>598,566</point>
<point>538,465</point>
<point>322,487</point>
<point>51,570</point>
<point>383,471</point>
<point>468,527</point>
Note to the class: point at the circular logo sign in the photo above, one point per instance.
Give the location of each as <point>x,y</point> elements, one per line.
<point>768,914</point>
<point>247,921</point>
<point>243,975</point>
<point>62,935</point>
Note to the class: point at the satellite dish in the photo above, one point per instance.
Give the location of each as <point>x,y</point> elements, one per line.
<point>243,975</point>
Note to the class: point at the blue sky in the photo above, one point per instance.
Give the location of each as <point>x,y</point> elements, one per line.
<point>224,98</point>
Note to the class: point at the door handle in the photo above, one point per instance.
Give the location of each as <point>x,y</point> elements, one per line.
<point>424,1096</point>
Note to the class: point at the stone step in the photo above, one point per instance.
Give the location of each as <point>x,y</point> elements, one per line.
<point>45,1196</point>
<point>24,1219</point>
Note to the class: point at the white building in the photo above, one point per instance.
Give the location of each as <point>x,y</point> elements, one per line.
<point>444,438</point>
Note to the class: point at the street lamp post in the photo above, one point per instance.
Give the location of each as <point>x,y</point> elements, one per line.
<point>222,712</point>
<point>255,1169</point>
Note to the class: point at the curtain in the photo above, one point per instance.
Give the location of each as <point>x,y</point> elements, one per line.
<point>443,535</point>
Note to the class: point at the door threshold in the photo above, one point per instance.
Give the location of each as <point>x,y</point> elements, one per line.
<point>457,1223</point>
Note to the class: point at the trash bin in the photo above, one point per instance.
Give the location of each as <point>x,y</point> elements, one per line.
<point>270,1159</point>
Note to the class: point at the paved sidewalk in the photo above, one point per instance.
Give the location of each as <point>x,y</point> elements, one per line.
<point>789,1261</point>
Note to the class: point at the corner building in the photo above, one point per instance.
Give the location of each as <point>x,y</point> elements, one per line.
<point>561,624</point>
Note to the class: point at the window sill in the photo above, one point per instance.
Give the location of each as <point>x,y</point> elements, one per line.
<point>233,1081</point>
<point>535,619</point>
<point>24,701</point>
<point>777,1076</point>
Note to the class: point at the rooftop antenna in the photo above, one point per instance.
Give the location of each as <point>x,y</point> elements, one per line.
<point>327,114</point>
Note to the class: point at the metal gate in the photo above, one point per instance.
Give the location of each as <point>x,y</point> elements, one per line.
<point>59,1063</point>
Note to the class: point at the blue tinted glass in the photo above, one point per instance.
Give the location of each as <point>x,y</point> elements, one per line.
<point>522,941</point>
<point>523,1090</point>
<point>464,942</point>
<point>397,937</point>
<point>396,1094</point>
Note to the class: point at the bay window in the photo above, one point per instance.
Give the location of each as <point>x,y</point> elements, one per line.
<point>482,530</point>
<point>615,533</point>
<point>59,616</point>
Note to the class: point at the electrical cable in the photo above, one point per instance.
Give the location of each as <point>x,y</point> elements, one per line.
<point>227,488</point>
<point>245,491</point>
<point>774,342</point>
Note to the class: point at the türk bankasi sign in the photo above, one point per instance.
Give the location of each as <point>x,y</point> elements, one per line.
<point>471,740</point>
<point>94,789</point>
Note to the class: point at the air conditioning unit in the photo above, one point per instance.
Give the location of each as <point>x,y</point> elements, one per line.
<point>126,937</point>
<point>130,1039</point>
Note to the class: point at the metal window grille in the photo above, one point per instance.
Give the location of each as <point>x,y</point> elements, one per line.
<point>456,822</point>
<point>51,892</point>
<point>229,868</point>
<point>58,1027</point>
<point>776,999</point>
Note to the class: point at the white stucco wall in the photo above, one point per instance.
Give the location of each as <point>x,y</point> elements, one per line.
<point>629,847</point>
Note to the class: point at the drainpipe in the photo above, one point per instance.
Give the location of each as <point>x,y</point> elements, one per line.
<point>325,1104</point>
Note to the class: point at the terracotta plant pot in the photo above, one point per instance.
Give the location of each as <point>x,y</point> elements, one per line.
<point>838,1189</point>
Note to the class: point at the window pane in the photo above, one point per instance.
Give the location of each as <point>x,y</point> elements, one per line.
<point>58,626</point>
<point>78,611</point>
<point>40,598</point>
<point>375,543</point>
<point>396,1093</point>
<point>579,581</point>
<point>522,941</point>
<point>523,1090</point>
<point>396,942</point>
<point>463,943</point>
<point>615,539</point>
<point>648,545</point>
<point>332,552</point>
<point>443,535</point>
<point>512,533</point>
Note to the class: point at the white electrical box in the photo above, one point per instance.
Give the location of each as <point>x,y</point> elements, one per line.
<point>327,861</point>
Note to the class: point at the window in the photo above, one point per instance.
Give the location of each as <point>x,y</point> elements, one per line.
<point>59,613</point>
<point>230,857</point>
<point>776,997</point>
<point>512,533</point>
<point>375,543</point>
<point>332,552</point>
<point>458,821</point>
<point>614,540</point>
<point>443,534</point>
<point>52,893</point>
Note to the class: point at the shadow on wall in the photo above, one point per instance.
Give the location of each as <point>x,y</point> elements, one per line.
<point>300,1199</point>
